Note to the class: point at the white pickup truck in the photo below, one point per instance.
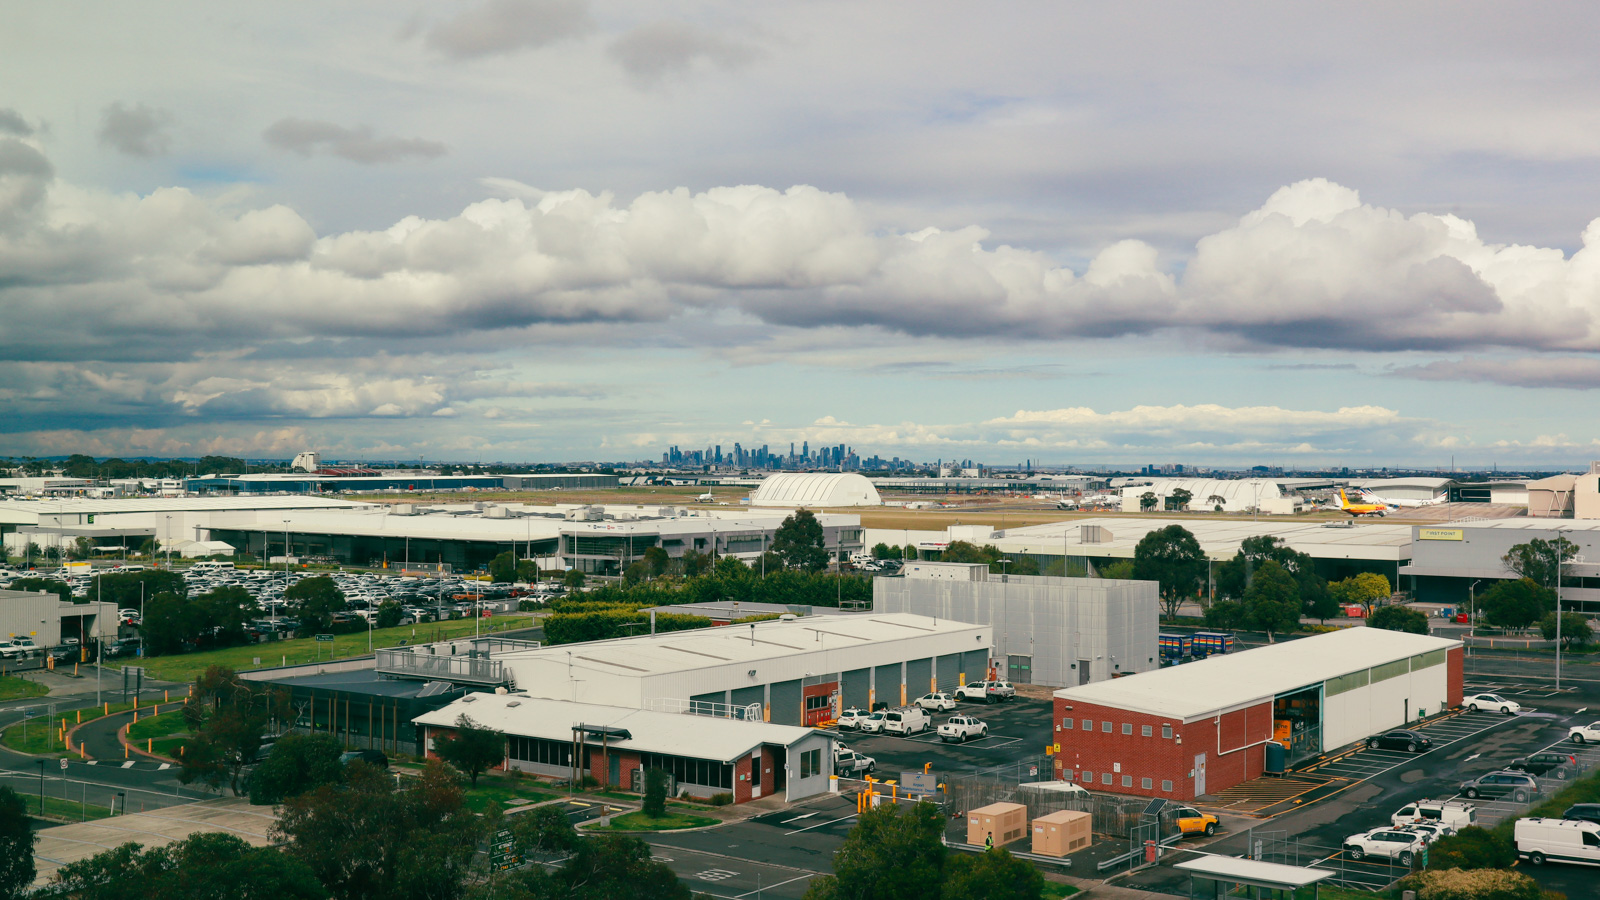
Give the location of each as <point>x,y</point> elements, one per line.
<point>962,728</point>
<point>849,762</point>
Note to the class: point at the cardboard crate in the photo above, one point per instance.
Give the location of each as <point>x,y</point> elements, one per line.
<point>1061,833</point>
<point>1006,821</point>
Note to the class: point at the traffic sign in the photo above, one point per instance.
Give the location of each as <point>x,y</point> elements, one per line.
<point>503,851</point>
<point>325,638</point>
<point>63,765</point>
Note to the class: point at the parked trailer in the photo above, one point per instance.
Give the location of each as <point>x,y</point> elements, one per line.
<point>1175,648</point>
<point>1208,643</point>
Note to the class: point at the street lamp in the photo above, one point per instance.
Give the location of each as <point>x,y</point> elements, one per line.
<point>1472,611</point>
<point>1005,608</point>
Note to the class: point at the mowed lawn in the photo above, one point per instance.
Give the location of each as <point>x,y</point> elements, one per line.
<point>14,688</point>
<point>186,667</point>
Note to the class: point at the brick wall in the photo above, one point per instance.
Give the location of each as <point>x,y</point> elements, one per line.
<point>770,762</point>
<point>741,779</point>
<point>600,767</point>
<point>1136,757</point>
<point>1453,679</point>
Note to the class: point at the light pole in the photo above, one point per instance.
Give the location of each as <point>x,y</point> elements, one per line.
<point>169,542</point>
<point>1005,608</point>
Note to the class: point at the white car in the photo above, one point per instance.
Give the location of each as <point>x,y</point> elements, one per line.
<point>1582,734</point>
<point>938,702</point>
<point>851,718</point>
<point>962,728</point>
<point>977,690</point>
<point>1492,701</point>
<point>1400,846</point>
<point>872,724</point>
<point>849,762</point>
<point>1430,831</point>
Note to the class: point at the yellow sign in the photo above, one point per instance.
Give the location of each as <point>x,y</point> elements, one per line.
<point>1055,748</point>
<point>1440,534</point>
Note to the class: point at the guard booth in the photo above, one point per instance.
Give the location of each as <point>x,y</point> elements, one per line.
<point>1216,877</point>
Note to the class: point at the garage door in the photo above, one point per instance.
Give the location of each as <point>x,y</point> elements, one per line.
<point>709,704</point>
<point>976,664</point>
<point>853,690</point>
<point>886,682</point>
<point>756,693</point>
<point>918,673</point>
<point>949,671</point>
<point>786,703</point>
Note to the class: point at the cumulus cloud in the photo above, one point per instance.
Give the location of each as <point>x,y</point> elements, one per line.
<point>139,131</point>
<point>505,26</point>
<point>1575,372</point>
<point>359,144</point>
<point>12,123</point>
<point>659,50</point>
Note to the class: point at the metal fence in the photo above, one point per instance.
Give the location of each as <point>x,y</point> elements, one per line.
<point>1110,814</point>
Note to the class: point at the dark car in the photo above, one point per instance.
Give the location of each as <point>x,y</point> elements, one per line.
<point>374,758</point>
<point>122,647</point>
<point>1519,786</point>
<point>1399,740</point>
<point>1555,765</point>
<point>1583,812</point>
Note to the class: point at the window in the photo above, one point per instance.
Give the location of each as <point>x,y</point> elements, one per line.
<point>1105,727</point>
<point>544,752</point>
<point>1088,724</point>
<point>1066,724</point>
<point>1127,728</point>
<point>1105,777</point>
<point>1166,731</point>
<point>1127,781</point>
<point>815,703</point>
<point>705,773</point>
<point>1146,783</point>
<point>1590,839</point>
<point>810,763</point>
<point>1144,730</point>
<point>1166,786</point>
<point>1088,777</point>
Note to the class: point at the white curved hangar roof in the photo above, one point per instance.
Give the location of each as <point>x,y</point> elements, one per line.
<point>817,489</point>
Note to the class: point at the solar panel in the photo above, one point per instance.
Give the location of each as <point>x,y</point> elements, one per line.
<point>435,688</point>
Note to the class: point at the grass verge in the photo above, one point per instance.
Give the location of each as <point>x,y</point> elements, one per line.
<point>189,666</point>
<point>1054,891</point>
<point>502,793</point>
<point>14,688</point>
<point>61,810</point>
<point>1583,790</point>
<point>672,821</point>
<point>40,736</point>
<point>160,734</point>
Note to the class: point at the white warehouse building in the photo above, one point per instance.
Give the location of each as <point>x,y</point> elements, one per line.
<point>816,490</point>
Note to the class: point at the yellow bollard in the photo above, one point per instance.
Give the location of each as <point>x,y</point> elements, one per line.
<point>124,751</point>
<point>108,709</point>
<point>80,717</point>
<point>166,695</point>
<point>149,745</point>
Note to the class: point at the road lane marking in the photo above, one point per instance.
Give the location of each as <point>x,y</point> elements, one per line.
<point>819,825</point>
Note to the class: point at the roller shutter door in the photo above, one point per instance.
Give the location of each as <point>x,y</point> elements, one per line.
<point>786,703</point>
<point>853,690</point>
<point>949,671</point>
<point>886,681</point>
<point>756,693</point>
<point>918,673</point>
<point>718,699</point>
<point>976,664</point>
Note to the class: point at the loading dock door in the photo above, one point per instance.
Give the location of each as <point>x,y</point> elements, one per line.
<point>949,671</point>
<point>855,688</point>
<point>708,704</point>
<point>887,685</point>
<point>745,696</point>
<point>975,663</point>
<point>785,708</point>
<point>919,677</point>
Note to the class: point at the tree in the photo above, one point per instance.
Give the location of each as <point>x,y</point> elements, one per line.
<point>656,561</point>
<point>1147,501</point>
<point>1272,602</point>
<point>228,717</point>
<point>16,845</point>
<point>799,540</point>
<point>1121,570</point>
<point>994,875</point>
<point>1575,628</point>
<point>1322,605</point>
<point>1365,589</point>
<point>503,568</point>
<point>1473,847</point>
<point>602,868</point>
<point>318,598</point>
<point>890,854</point>
<point>881,550</point>
<point>1516,604</point>
<point>655,793</point>
<point>34,585</point>
<point>1172,558</point>
<point>1540,560</point>
<point>206,865</point>
<point>1225,615</point>
<point>1179,499</point>
<point>128,589</point>
<point>471,749</point>
<point>82,548</point>
<point>1399,618</point>
<point>297,763</point>
<point>636,572</point>
<point>389,614</point>
<point>370,839</point>
<point>1216,502</point>
<point>572,580</point>
<point>1475,884</point>
<point>909,551</point>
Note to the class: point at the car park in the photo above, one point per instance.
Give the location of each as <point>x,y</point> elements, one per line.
<point>1583,734</point>
<point>1454,813</point>
<point>1399,740</point>
<point>1391,843</point>
<point>906,721</point>
<point>849,762</point>
<point>850,719</point>
<point>1492,702</point>
<point>936,702</point>
<point>1519,786</point>
<point>1540,840</point>
<point>963,729</point>
<point>1548,765</point>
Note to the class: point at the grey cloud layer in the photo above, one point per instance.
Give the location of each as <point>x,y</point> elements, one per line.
<point>661,49</point>
<point>308,136</point>
<point>506,26</point>
<point>139,131</point>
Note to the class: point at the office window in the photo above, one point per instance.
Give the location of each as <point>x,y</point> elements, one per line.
<point>1105,777</point>
<point>810,763</point>
<point>1146,783</point>
<point>820,701</point>
<point>1066,724</point>
<point>1088,777</point>
<point>1127,728</point>
<point>1088,724</point>
<point>1144,730</point>
<point>1166,785</point>
<point>1127,781</point>
<point>1105,727</point>
<point>1166,731</point>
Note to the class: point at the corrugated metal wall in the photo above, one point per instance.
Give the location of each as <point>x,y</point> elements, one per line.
<point>755,693</point>
<point>855,687</point>
<point>919,677</point>
<point>949,669</point>
<point>975,664</point>
<point>785,703</point>
<point>886,681</point>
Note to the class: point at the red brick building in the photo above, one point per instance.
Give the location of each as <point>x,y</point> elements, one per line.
<point>1203,727</point>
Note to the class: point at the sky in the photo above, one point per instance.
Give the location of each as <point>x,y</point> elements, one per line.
<point>543,230</point>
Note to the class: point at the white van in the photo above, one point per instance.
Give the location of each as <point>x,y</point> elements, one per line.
<point>1558,840</point>
<point>209,565</point>
<point>907,720</point>
<point>1054,788</point>
<point>1453,813</point>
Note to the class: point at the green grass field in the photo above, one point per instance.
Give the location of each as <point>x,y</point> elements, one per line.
<point>38,736</point>
<point>672,821</point>
<point>1054,891</point>
<point>189,666</point>
<point>502,793</point>
<point>60,810</point>
<point>14,688</point>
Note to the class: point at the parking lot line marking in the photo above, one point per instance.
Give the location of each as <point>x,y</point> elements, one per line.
<point>819,825</point>
<point>771,886</point>
<point>798,818</point>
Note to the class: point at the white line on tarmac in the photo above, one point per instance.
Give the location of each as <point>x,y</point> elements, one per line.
<point>819,825</point>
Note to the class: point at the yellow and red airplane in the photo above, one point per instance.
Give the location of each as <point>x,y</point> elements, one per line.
<point>1361,509</point>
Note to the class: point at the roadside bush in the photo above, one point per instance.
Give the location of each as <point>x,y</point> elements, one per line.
<point>721,799</point>
<point>655,793</point>
<point>1472,848</point>
<point>1473,884</point>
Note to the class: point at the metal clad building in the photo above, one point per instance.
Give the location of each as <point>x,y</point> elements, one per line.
<point>1457,562</point>
<point>1049,631</point>
<point>44,619</point>
<point>1200,728</point>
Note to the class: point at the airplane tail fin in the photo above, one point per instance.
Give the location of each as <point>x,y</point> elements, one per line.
<point>1344,502</point>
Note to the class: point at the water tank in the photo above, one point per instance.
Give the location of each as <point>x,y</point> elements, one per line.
<point>1277,758</point>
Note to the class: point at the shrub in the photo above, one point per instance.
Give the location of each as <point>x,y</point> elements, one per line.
<point>1472,848</point>
<point>1473,884</point>
<point>721,799</point>
<point>655,793</point>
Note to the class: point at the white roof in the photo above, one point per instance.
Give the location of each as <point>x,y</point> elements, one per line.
<point>679,651</point>
<point>1222,683</point>
<point>1219,538</point>
<point>816,489</point>
<point>1253,871</point>
<point>701,737</point>
<point>173,504</point>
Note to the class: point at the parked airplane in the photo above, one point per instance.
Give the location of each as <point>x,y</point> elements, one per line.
<point>704,498</point>
<point>1361,509</point>
<point>1398,503</point>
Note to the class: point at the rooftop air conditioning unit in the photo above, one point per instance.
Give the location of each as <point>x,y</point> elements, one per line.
<point>404,509</point>
<point>497,512</point>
